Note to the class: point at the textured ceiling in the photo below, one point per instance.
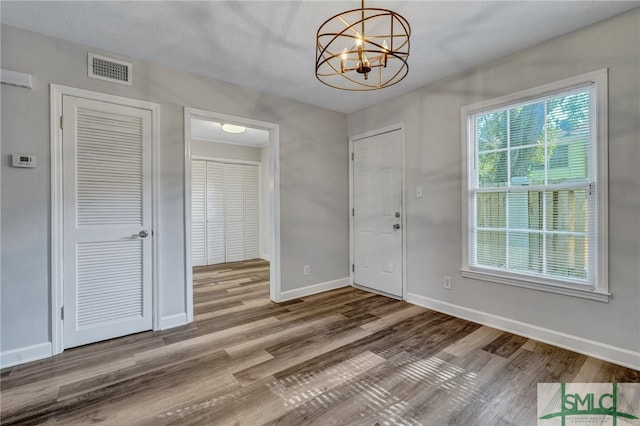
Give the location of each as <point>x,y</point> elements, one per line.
<point>270,45</point>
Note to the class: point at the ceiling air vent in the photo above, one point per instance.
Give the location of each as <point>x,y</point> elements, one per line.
<point>109,69</point>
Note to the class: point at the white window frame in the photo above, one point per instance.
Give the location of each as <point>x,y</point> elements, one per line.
<point>599,159</point>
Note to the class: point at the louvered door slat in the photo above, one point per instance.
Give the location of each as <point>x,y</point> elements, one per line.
<point>233,212</point>
<point>109,276</point>
<point>198,212</point>
<point>98,163</point>
<point>251,212</point>
<point>215,213</point>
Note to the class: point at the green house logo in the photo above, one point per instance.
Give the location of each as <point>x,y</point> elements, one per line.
<point>564,404</point>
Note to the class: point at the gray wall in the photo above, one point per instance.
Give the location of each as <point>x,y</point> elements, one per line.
<point>433,158</point>
<point>313,161</point>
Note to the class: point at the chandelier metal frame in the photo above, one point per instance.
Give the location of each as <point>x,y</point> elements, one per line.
<point>346,54</point>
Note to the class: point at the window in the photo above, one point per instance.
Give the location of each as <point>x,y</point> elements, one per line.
<point>535,198</point>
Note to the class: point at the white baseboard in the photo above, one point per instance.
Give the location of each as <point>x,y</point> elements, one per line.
<point>313,289</point>
<point>171,321</point>
<point>44,350</point>
<point>581,345</point>
<point>26,354</point>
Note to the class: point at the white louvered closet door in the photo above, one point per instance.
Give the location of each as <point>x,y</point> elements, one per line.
<point>107,204</point>
<point>198,213</point>
<point>215,213</point>
<point>225,212</point>
<point>233,212</point>
<point>251,219</point>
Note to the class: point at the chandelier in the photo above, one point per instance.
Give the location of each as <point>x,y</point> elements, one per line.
<point>363,49</point>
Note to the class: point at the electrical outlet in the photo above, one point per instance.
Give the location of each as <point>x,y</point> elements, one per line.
<point>447,282</point>
<point>307,269</point>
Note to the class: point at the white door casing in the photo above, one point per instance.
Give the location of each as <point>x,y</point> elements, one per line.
<point>377,212</point>
<point>272,194</point>
<point>107,209</point>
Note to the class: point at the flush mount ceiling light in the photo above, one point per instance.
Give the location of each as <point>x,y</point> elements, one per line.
<point>232,128</point>
<point>363,49</point>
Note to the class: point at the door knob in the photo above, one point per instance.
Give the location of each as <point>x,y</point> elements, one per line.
<point>396,226</point>
<point>143,233</point>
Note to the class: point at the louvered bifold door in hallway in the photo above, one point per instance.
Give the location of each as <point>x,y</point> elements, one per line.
<point>251,212</point>
<point>233,212</point>
<point>107,220</point>
<point>207,213</point>
<point>198,213</point>
<point>228,196</point>
<point>215,213</point>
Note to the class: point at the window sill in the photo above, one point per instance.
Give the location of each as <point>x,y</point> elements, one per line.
<point>566,291</point>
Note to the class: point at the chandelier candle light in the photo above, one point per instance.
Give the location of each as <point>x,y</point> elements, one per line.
<point>354,44</point>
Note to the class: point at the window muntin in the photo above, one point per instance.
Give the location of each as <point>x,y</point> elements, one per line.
<point>531,188</point>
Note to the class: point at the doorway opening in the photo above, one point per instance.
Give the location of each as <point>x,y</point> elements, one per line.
<point>244,224</point>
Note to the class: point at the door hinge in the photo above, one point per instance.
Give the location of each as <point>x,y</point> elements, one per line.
<point>353,267</point>
<point>62,313</point>
<point>61,122</point>
<point>353,212</point>
<point>353,156</point>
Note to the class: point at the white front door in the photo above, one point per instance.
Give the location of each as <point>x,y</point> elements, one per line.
<point>107,258</point>
<point>377,202</point>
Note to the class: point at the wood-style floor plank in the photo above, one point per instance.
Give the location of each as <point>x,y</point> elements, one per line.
<point>344,357</point>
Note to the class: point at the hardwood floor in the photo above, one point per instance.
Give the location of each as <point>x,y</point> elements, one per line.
<point>345,357</point>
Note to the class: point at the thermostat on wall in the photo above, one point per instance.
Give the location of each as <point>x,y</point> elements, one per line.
<point>24,160</point>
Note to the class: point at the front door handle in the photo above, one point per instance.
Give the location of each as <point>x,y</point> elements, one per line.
<point>396,226</point>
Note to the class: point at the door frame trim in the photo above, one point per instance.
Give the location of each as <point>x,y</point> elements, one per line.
<point>57,230</point>
<point>400,127</point>
<point>274,198</point>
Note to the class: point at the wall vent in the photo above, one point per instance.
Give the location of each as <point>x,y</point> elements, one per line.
<point>110,69</point>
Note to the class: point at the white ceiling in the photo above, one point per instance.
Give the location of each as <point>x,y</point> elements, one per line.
<point>270,45</point>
